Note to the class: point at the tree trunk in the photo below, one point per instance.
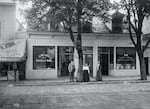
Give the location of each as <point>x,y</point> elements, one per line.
<point>79,42</point>
<point>142,66</point>
<point>80,65</point>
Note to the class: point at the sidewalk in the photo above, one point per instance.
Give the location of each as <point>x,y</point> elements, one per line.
<point>117,93</point>
<point>65,81</point>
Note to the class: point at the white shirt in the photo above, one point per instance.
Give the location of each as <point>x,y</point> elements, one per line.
<point>86,68</point>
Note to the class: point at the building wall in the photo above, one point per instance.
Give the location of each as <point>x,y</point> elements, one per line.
<point>21,35</point>
<point>43,40</point>
<point>63,39</point>
<point>7,20</point>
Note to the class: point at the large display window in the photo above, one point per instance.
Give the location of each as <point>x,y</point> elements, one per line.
<point>43,57</point>
<point>125,58</point>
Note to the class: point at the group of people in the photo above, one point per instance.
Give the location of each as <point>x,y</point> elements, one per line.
<point>86,72</point>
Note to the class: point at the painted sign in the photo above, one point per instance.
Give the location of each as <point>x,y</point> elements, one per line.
<point>43,57</point>
<point>13,48</point>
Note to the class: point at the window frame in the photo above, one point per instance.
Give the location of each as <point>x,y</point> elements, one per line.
<point>126,54</point>
<point>34,58</point>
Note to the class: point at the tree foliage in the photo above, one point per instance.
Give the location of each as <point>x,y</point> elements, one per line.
<point>63,11</point>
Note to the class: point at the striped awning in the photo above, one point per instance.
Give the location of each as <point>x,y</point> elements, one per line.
<point>13,50</point>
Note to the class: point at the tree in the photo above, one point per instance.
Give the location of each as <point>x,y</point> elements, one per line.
<point>137,11</point>
<point>69,13</point>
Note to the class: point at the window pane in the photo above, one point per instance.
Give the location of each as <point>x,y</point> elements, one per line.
<point>43,57</point>
<point>65,49</point>
<point>126,58</point>
<point>87,50</point>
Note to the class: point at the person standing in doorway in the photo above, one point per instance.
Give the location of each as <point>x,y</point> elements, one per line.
<point>14,65</point>
<point>86,73</point>
<point>99,72</point>
<point>71,69</point>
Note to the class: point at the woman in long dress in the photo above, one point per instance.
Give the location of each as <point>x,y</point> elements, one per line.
<point>86,73</point>
<point>99,72</point>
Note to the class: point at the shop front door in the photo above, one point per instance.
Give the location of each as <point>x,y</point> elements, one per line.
<point>21,68</point>
<point>65,55</point>
<point>64,62</point>
<point>104,63</point>
<point>106,57</point>
<point>146,65</point>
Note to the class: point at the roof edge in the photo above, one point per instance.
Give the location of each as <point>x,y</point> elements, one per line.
<point>8,3</point>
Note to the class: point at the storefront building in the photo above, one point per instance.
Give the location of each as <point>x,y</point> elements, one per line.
<point>50,53</point>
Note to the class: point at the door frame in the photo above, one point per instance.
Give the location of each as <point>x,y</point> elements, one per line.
<point>107,52</point>
<point>59,56</point>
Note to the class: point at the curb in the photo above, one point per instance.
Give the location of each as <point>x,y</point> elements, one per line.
<point>76,83</point>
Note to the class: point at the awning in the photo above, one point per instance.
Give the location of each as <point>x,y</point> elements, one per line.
<point>13,50</point>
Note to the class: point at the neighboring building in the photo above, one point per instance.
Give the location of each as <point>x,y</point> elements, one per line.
<point>7,20</point>
<point>12,51</point>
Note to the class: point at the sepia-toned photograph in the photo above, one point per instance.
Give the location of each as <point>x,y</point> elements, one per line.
<point>74,54</point>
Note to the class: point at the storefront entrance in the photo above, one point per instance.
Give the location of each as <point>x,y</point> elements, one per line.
<point>104,61</point>
<point>105,56</point>
<point>21,68</point>
<point>65,55</point>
